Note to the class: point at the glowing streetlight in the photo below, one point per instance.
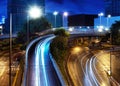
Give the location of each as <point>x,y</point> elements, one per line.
<point>65,14</point>
<point>1,29</point>
<point>76,50</point>
<point>55,14</point>
<point>71,29</point>
<point>35,12</point>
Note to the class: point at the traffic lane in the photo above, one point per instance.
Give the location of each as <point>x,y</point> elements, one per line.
<point>75,65</point>
<point>4,72</point>
<point>52,77</point>
<point>36,70</point>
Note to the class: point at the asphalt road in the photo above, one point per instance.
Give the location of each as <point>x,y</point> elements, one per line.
<point>40,71</point>
<point>4,72</point>
<point>4,76</point>
<point>86,69</point>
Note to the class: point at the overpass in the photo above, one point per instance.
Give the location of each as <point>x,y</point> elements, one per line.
<point>87,31</point>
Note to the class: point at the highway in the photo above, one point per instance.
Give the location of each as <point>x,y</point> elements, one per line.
<point>39,70</point>
<point>4,76</point>
<point>88,69</point>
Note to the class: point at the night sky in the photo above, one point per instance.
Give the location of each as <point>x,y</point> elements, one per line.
<point>72,6</point>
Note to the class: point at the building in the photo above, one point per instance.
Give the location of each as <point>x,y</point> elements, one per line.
<point>2,26</point>
<point>19,11</point>
<point>81,20</point>
<point>106,22</point>
<point>112,7</point>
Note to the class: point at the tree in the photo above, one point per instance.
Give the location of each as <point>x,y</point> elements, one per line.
<point>35,25</point>
<point>38,25</point>
<point>115,33</point>
<point>61,32</point>
<point>59,45</point>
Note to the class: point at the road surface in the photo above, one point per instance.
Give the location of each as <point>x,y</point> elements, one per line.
<point>39,70</point>
<point>87,69</point>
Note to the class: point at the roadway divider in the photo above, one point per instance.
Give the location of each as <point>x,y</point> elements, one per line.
<point>60,76</point>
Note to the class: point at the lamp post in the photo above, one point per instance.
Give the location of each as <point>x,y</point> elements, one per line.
<point>100,15</point>
<point>10,49</point>
<point>65,14</point>
<point>107,25</point>
<point>34,12</point>
<point>109,16</point>
<point>55,14</point>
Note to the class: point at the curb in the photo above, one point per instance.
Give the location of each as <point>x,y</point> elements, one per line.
<point>60,76</point>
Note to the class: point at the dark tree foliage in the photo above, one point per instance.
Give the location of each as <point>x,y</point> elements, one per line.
<point>61,32</point>
<point>115,33</point>
<point>38,25</point>
<point>59,45</point>
<point>34,26</point>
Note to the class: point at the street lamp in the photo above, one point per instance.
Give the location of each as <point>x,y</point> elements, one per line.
<point>10,49</point>
<point>1,29</point>
<point>34,12</point>
<point>65,14</point>
<point>108,16</point>
<point>55,14</point>
<point>100,15</point>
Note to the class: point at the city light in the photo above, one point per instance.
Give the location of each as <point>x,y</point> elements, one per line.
<point>100,29</point>
<point>35,12</point>
<point>55,13</point>
<point>1,27</point>
<point>101,14</point>
<point>65,14</point>
<point>109,16</point>
<point>71,29</point>
<point>76,50</point>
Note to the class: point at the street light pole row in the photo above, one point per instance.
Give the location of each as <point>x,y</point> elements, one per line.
<point>65,14</point>
<point>100,22</point>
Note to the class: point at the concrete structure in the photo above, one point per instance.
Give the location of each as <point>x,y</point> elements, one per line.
<point>112,7</point>
<point>19,10</point>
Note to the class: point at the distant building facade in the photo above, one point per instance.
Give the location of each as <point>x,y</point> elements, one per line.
<point>112,7</point>
<point>81,20</point>
<point>105,22</point>
<point>19,10</point>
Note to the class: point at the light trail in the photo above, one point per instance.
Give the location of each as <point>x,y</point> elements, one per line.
<point>39,70</point>
<point>91,75</point>
<point>40,60</point>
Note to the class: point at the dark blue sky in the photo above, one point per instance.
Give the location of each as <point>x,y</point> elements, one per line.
<point>72,6</point>
<point>76,6</point>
